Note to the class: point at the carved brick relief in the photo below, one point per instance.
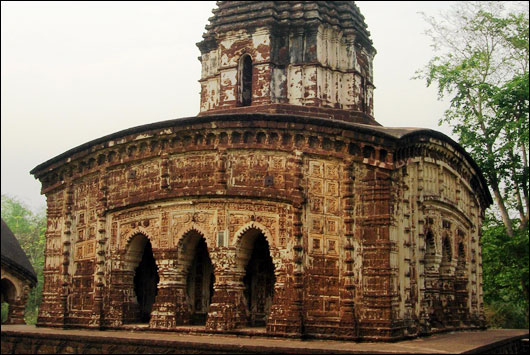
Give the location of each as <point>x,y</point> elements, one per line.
<point>191,170</point>
<point>324,225</point>
<point>257,169</point>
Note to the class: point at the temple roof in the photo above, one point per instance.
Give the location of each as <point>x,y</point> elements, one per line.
<point>234,15</point>
<point>13,256</point>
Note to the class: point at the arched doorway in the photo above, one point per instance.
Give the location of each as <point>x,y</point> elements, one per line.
<point>259,277</point>
<point>145,280</point>
<point>197,265</point>
<point>200,282</point>
<point>9,293</point>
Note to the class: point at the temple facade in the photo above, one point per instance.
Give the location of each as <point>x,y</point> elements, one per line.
<point>282,207</point>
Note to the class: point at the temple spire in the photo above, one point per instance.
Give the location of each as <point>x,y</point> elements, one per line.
<point>312,58</point>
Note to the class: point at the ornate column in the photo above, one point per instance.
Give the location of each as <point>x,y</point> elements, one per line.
<point>170,308</point>
<point>380,298</point>
<point>227,310</point>
<point>431,300</point>
<point>115,302</point>
<point>461,291</point>
<point>348,322</point>
<point>101,243</point>
<point>17,307</point>
<point>50,313</point>
<point>66,242</point>
<point>286,315</point>
<point>447,293</point>
<point>119,307</point>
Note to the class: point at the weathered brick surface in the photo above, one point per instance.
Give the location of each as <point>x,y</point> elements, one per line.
<point>372,232</point>
<point>346,230</point>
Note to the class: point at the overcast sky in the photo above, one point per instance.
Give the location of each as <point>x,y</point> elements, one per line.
<point>76,71</point>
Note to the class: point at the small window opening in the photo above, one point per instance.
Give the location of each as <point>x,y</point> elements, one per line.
<point>245,81</point>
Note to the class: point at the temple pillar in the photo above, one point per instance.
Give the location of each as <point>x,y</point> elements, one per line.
<point>284,316</point>
<point>447,294</point>
<point>98,316</point>
<point>431,306</point>
<point>17,308</point>
<point>65,279</point>
<point>119,307</point>
<point>170,308</point>
<point>348,320</point>
<point>227,310</point>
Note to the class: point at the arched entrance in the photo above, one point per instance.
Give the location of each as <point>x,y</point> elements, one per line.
<point>197,265</point>
<point>145,280</point>
<point>9,293</point>
<point>259,277</point>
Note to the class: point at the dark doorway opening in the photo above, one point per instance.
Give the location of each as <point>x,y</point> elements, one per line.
<point>145,283</point>
<point>8,291</point>
<point>259,283</point>
<point>200,281</point>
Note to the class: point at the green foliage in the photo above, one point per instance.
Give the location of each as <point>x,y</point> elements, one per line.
<point>506,275</point>
<point>29,228</point>
<point>5,309</point>
<point>483,67</point>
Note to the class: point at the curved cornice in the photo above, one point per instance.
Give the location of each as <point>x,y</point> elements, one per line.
<point>396,137</point>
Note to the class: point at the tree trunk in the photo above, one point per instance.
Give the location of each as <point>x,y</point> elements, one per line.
<point>504,212</point>
<point>525,184</point>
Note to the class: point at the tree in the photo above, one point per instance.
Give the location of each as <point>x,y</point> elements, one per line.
<point>506,272</point>
<point>483,67</point>
<point>29,228</point>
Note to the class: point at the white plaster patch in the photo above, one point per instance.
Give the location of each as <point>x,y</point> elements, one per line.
<point>143,136</point>
<point>224,60</point>
<point>211,88</point>
<point>294,85</point>
<point>230,95</point>
<point>227,43</point>
<point>310,75</point>
<point>229,77</point>
<point>278,81</point>
<point>260,40</point>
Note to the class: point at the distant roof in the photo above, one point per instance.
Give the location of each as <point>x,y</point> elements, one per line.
<point>13,256</point>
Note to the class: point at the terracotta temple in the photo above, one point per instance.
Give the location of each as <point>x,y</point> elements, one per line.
<point>283,205</point>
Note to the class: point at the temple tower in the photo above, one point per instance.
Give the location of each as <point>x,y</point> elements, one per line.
<point>303,57</point>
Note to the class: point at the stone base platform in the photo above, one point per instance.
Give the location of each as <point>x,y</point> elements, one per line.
<point>25,339</point>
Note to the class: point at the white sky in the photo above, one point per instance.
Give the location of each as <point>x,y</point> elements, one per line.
<point>76,71</point>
